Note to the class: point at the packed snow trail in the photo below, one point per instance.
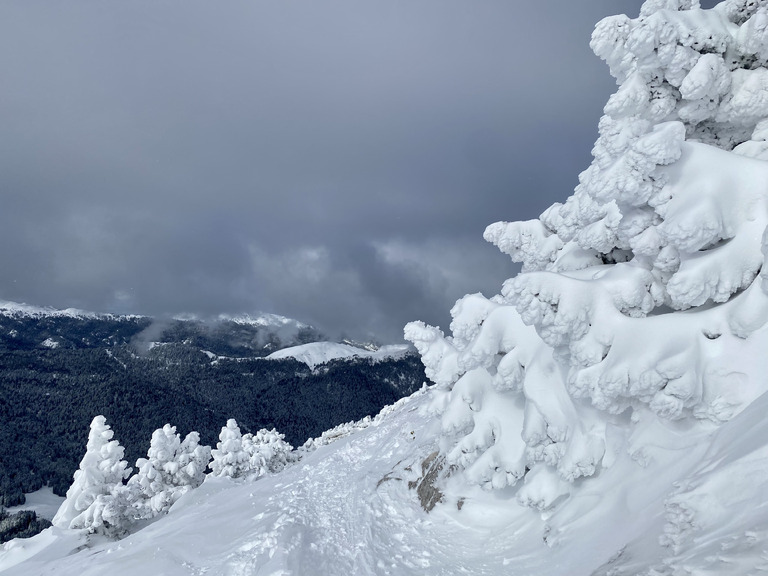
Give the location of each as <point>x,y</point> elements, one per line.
<point>341,513</point>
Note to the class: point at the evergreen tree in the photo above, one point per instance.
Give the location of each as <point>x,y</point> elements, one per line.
<point>97,499</point>
<point>229,457</point>
<point>170,469</point>
<point>153,481</point>
<point>192,461</point>
<point>667,218</point>
<point>268,452</point>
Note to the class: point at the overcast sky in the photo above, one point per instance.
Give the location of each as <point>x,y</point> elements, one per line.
<point>331,161</point>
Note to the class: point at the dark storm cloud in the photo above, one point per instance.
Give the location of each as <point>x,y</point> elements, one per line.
<point>331,161</point>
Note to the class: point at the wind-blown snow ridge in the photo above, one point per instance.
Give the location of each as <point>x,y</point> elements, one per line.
<point>317,353</point>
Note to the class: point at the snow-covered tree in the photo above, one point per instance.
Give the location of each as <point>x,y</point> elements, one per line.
<point>229,457</point>
<point>192,460</point>
<point>171,469</point>
<point>97,499</point>
<point>635,291</point>
<point>237,455</point>
<point>268,452</point>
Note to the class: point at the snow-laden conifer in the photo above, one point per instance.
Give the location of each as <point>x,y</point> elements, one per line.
<point>192,461</point>
<point>268,452</point>
<point>668,217</point>
<point>97,499</point>
<point>253,455</point>
<point>229,457</point>
<point>170,469</point>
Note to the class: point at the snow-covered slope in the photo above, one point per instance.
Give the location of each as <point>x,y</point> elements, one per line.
<point>347,508</point>
<point>317,353</point>
<point>43,502</point>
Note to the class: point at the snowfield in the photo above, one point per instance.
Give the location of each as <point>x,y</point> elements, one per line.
<point>317,353</point>
<point>43,502</point>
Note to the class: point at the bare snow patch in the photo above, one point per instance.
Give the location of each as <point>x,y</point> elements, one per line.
<point>42,502</point>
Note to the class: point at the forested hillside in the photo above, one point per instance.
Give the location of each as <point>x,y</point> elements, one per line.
<point>58,372</point>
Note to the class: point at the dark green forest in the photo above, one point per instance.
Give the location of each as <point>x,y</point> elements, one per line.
<point>49,395</point>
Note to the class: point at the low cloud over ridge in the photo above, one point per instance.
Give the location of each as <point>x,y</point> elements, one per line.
<point>332,162</point>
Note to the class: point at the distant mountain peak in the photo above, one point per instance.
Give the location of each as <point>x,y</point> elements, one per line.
<point>20,309</point>
<point>369,346</point>
<point>262,319</point>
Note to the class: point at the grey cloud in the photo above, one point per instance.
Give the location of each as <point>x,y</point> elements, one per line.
<point>163,157</point>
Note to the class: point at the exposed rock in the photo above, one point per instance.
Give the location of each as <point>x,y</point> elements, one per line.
<point>429,494</point>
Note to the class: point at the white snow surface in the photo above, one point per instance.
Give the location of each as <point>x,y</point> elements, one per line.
<point>317,353</point>
<point>347,508</point>
<point>43,502</point>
